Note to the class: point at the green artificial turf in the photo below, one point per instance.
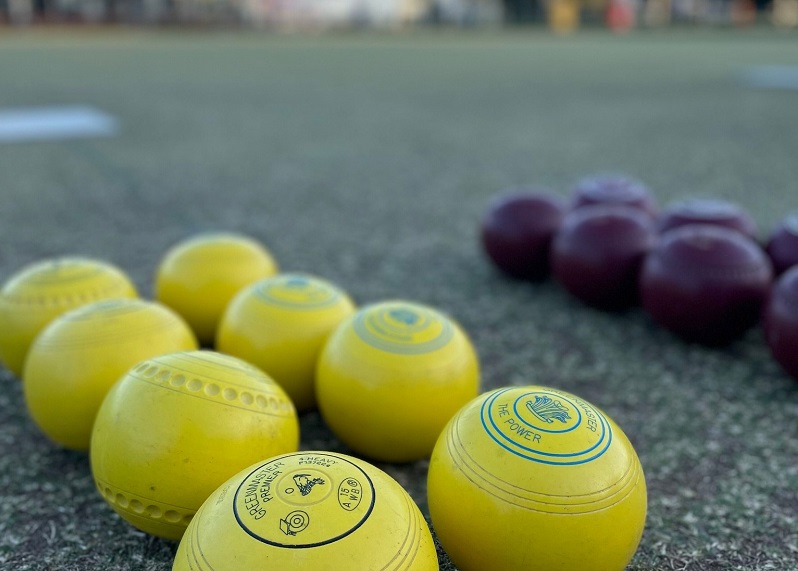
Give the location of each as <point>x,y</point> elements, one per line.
<point>368,160</point>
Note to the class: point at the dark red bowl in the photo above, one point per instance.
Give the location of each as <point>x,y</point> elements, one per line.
<point>613,189</point>
<point>780,320</point>
<point>782,247</point>
<point>597,253</point>
<point>705,283</point>
<point>707,211</point>
<point>517,229</point>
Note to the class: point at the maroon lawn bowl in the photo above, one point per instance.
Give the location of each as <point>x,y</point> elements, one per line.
<point>517,230</point>
<point>781,321</point>
<point>614,189</point>
<point>707,211</point>
<point>705,283</point>
<point>783,244</point>
<point>597,254</point>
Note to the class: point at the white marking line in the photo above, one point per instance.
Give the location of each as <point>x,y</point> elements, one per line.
<point>771,76</point>
<point>55,124</point>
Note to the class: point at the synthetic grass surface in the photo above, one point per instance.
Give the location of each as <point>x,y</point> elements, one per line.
<point>368,161</point>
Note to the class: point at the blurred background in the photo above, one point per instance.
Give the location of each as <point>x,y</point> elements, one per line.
<point>304,15</point>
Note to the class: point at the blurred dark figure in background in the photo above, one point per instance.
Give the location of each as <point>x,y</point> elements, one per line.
<point>523,11</point>
<point>111,12</point>
<point>40,9</point>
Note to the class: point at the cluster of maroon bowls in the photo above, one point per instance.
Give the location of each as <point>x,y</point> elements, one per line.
<point>695,267</point>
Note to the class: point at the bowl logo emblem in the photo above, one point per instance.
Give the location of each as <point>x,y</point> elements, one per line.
<point>297,292</point>
<point>403,328</point>
<point>305,483</point>
<point>304,500</point>
<point>546,426</point>
<point>404,316</point>
<point>548,410</point>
